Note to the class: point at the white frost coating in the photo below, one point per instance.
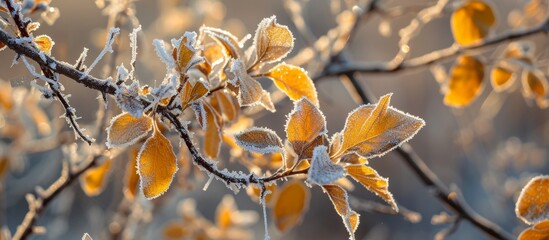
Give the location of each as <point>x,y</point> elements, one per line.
<point>323,170</point>
<point>42,56</point>
<point>208,182</point>
<point>267,141</point>
<point>536,212</point>
<point>200,113</point>
<point>108,48</point>
<point>133,45</point>
<point>32,70</point>
<point>132,132</point>
<point>86,237</point>
<point>263,205</point>
<point>82,57</point>
<point>127,99</point>
<point>161,52</point>
<point>46,92</point>
<point>23,40</point>
<point>122,72</point>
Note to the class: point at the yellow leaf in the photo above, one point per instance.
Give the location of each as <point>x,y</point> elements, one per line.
<point>93,180</point>
<point>213,52</point>
<point>223,214</point>
<point>305,123</point>
<point>44,43</point>
<point>157,165</point>
<point>371,180</point>
<point>191,93</point>
<point>212,136</point>
<point>540,231</point>
<point>294,81</point>
<point>535,86</point>
<point>272,40</point>
<point>340,200</point>
<point>472,21</point>
<point>131,178</point>
<point>354,159</point>
<point>501,78</point>
<point>126,130</point>
<point>290,206</point>
<point>465,82</point>
<point>371,131</point>
<point>185,51</point>
<point>533,203</point>
<point>261,140</point>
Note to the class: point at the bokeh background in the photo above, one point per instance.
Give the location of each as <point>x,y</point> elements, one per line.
<point>488,159</point>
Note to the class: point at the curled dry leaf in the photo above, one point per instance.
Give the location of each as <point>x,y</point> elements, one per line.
<point>340,200</point>
<point>371,180</point>
<point>44,43</point>
<point>535,86</point>
<point>226,39</point>
<point>272,40</point>
<point>501,78</point>
<point>294,81</point>
<point>185,52</point>
<point>126,130</point>
<point>472,21</point>
<point>290,205</point>
<point>371,131</point>
<point>260,140</point>
<point>533,203</point>
<point>250,91</point>
<point>540,231</point>
<point>305,123</point>
<point>323,170</point>
<point>93,180</point>
<point>465,83</point>
<point>131,178</point>
<point>212,136</point>
<point>157,165</point>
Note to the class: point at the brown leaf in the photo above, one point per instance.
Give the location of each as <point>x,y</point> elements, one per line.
<point>465,82</point>
<point>227,106</point>
<point>371,180</point>
<point>272,40</point>
<point>371,131</point>
<point>193,92</point>
<point>226,39</point>
<point>126,130</point>
<point>472,21</point>
<point>340,200</point>
<point>261,140</point>
<point>250,91</point>
<point>533,203</point>
<point>290,206</point>
<point>305,123</point>
<point>212,137</point>
<point>294,81</point>
<point>186,51</point>
<point>94,179</point>
<point>157,165</point>
<point>540,231</point>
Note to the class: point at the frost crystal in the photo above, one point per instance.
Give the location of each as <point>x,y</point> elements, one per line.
<point>127,99</point>
<point>323,170</point>
<point>108,48</point>
<point>162,53</point>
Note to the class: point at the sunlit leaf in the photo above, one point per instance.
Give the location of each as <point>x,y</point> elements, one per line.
<point>250,90</point>
<point>228,107</point>
<point>340,200</point>
<point>93,180</point>
<point>501,78</point>
<point>373,130</point>
<point>323,170</point>
<point>305,123</point>
<point>261,140</point>
<point>185,51</point>
<point>212,136</point>
<point>44,43</point>
<point>309,147</point>
<point>272,40</point>
<point>294,81</point>
<point>472,21</point>
<point>193,92</point>
<point>290,205</point>
<point>131,178</point>
<point>533,203</point>
<point>371,180</point>
<point>226,39</point>
<point>465,83</point>
<point>535,86</point>
<point>126,130</point>
<point>540,231</point>
<point>157,165</point>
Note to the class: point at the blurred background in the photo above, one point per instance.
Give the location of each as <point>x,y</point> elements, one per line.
<point>488,158</point>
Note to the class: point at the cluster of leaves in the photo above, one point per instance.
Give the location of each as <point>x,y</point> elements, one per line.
<point>533,208</point>
<point>471,24</point>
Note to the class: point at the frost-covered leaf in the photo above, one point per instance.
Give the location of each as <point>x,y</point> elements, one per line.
<point>501,78</point>
<point>305,123</point>
<point>323,170</point>
<point>261,140</point>
<point>371,180</point>
<point>272,40</point>
<point>321,140</point>
<point>472,21</point>
<point>250,91</point>
<point>373,130</point>
<point>185,51</point>
<point>227,105</point>
<point>254,193</point>
<point>212,136</point>
<point>294,81</point>
<point>156,165</point>
<point>226,39</point>
<point>290,205</point>
<point>127,98</point>
<point>540,231</point>
<point>533,203</point>
<point>131,178</point>
<point>340,200</point>
<point>200,113</point>
<point>465,82</point>
<point>126,130</point>
<point>193,92</point>
<point>93,180</point>
<point>44,43</point>
<point>535,86</point>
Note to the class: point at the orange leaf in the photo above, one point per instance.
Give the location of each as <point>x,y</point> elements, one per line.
<point>224,212</point>
<point>340,200</point>
<point>126,130</point>
<point>323,170</point>
<point>250,91</point>
<point>472,21</point>
<point>533,202</point>
<point>186,51</point>
<point>501,78</point>
<point>540,231</point>
<point>157,165</point>
<point>226,39</point>
<point>212,137</point>
<point>465,81</point>
<point>294,81</point>
<point>371,180</point>
<point>6,98</point>
<point>93,180</point>
<point>305,123</point>
<point>290,205</point>
<point>371,131</point>
<point>261,140</point>
<point>535,86</point>
<point>227,106</point>
<point>44,43</point>
<point>131,178</point>
<point>176,230</point>
<point>191,93</point>
<point>272,40</point>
